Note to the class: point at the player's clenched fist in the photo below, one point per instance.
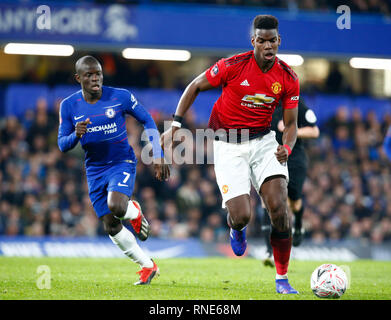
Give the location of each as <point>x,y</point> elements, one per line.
<point>162,170</point>
<point>282,154</point>
<point>81,127</point>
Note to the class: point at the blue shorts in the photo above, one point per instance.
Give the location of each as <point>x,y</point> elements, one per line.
<point>120,178</point>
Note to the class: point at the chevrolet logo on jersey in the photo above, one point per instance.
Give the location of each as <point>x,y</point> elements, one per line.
<point>257,100</point>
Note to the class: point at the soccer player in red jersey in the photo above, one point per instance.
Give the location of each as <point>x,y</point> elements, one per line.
<point>252,83</point>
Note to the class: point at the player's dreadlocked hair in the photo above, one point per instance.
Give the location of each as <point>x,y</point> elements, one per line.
<point>265,21</point>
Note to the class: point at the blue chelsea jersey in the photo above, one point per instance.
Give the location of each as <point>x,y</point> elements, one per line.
<point>105,141</point>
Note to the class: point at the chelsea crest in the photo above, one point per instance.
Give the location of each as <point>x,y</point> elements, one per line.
<point>110,113</point>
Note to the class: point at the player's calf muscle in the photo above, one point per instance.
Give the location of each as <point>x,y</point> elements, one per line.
<point>278,211</point>
<point>280,221</point>
<point>111,225</point>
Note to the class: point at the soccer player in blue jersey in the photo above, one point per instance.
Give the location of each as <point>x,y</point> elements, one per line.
<point>387,143</point>
<point>95,116</point>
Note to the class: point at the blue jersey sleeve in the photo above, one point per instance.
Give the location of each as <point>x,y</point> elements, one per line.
<point>134,108</point>
<point>66,139</point>
<point>387,143</point>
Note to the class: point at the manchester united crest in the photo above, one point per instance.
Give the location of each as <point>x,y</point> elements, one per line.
<point>276,87</point>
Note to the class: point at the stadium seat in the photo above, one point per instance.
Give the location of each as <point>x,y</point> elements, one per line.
<point>366,104</point>
<point>157,99</point>
<point>21,97</point>
<point>60,92</point>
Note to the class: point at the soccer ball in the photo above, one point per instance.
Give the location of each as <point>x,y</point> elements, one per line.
<point>328,281</point>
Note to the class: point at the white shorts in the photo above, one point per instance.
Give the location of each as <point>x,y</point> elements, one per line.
<point>238,165</point>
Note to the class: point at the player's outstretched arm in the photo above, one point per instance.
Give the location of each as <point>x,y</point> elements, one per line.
<point>199,84</point>
<point>162,170</point>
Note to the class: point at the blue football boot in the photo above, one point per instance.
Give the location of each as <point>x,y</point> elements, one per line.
<point>283,286</point>
<point>238,241</point>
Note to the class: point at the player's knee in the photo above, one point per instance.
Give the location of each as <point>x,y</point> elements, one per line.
<point>239,212</point>
<point>239,220</point>
<point>116,208</point>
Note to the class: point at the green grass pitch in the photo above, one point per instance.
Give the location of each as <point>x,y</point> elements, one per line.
<point>180,279</point>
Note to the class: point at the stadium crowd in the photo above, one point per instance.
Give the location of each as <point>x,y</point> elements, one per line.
<point>43,192</point>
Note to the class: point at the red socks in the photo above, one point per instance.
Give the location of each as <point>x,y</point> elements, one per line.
<point>281,243</point>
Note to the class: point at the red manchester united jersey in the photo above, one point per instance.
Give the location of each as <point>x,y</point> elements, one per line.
<point>249,95</point>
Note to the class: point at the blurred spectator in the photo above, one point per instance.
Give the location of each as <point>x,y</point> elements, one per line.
<point>207,234</point>
<point>334,80</point>
<point>340,118</point>
<point>10,130</point>
<point>188,195</point>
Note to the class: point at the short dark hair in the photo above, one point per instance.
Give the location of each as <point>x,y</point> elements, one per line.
<point>265,21</point>
<point>85,60</point>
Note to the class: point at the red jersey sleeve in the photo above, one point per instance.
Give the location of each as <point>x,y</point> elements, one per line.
<point>217,74</point>
<point>290,98</point>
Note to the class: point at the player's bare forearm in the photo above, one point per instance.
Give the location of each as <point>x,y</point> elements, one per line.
<point>187,99</point>
<point>288,139</point>
<point>191,92</point>
<point>289,135</point>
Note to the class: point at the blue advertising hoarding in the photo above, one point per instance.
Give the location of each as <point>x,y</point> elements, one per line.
<point>97,247</point>
<point>205,28</point>
<point>102,247</point>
